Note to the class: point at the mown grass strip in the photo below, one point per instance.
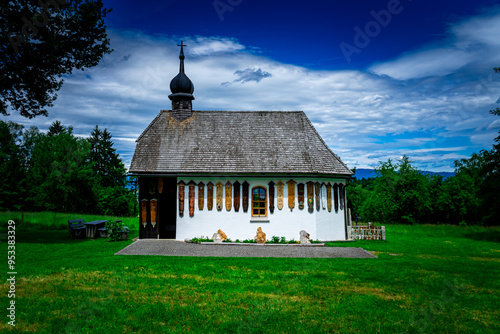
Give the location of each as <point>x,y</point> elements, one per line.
<point>426,279</point>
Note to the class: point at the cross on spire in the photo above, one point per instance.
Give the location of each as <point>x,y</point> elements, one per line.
<point>181,57</point>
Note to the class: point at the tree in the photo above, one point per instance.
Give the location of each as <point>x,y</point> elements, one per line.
<point>41,41</point>
<point>109,175</point>
<point>11,167</point>
<point>400,194</point>
<point>459,199</point>
<point>497,110</point>
<point>57,171</point>
<point>106,163</point>
<point>57,128</point>
<point>60,175</point>
<point>491,172</point>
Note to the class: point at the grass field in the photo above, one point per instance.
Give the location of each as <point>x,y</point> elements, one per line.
<point>426,279</point>
<point>56,220</point>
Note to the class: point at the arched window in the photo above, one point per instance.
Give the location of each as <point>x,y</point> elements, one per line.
<point>259,202</point>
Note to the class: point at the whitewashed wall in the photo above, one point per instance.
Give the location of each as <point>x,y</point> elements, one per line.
<point>322,225</point>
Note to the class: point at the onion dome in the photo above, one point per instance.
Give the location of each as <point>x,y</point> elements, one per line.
<point>181,85</point>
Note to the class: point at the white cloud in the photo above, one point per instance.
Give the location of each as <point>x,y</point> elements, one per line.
<point>362,116</point>
<point>435,62</point>
<point>472,41</point>
<point>210,45</point>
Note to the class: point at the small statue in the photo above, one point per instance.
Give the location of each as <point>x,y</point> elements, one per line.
<point>217,238</point>
<point>260,237</point>
<point>223,235</point>
<point>304,237</point>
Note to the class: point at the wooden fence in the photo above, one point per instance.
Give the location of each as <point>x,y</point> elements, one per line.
<point>368,232</point>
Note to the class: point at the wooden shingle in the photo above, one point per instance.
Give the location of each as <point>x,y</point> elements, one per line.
<point>229,142</point>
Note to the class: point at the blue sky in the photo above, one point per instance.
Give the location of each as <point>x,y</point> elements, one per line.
<point>378,79</point>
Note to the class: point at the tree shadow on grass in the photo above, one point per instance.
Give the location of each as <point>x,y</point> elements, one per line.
<point>60,237</point>
<point>491,235</point>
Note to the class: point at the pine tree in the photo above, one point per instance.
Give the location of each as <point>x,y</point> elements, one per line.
<point>110,175</point>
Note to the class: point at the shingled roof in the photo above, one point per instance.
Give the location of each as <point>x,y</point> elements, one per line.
<point>234,142</point>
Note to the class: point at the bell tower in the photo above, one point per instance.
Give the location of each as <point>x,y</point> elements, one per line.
<point>182,92</point>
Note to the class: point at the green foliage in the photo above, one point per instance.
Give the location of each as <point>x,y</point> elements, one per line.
<point>399,194</point>
<point>109,175</point>
<point>201,239</point>
<point>40,42</point>
<point>12,187</point>
<point>116,201</point>
<point>402,194</point>
<point>58,171</point>
<point>489,188</point>
<point>116,229</point>
<point>59,176</point>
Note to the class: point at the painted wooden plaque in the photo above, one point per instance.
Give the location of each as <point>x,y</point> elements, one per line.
<point>181,198</point>
<point>144,212</point>
<point>229,195</point>
<point>291,194</point>
<point>310,196</point>
<point>210,196</point>
<point>279,187</point>
<point>219,188</point>
<point>323,195</point>
<point>192,185</point>
<point>201,195</point>
<point>160,185</point>
<point>245,196</point>
<point>271,197</point>
<point>341,196</point>
<point>329,196</point>
<point>336,196</point>
<point>153,209</point>
<point>317,190</point>
<point>300,190</point>
<point>236,196</point>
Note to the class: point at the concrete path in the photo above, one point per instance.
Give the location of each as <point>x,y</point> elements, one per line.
<point>178,248</point>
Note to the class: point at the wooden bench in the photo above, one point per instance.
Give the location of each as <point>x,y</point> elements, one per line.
<point>76,227</point>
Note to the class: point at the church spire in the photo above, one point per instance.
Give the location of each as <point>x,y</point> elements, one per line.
<point>181,57</point>
<point>182,91</point>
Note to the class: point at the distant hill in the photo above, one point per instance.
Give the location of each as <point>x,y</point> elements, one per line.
<point>367,173</point>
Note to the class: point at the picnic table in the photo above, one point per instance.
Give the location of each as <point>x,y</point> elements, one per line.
<point>76,227</point>
<point>91,227</point>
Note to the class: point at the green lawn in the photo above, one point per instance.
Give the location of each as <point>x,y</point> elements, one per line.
<point>426,279</point>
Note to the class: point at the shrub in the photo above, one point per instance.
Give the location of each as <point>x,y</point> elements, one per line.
<point>115,229</point>
<point>201,239</point>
